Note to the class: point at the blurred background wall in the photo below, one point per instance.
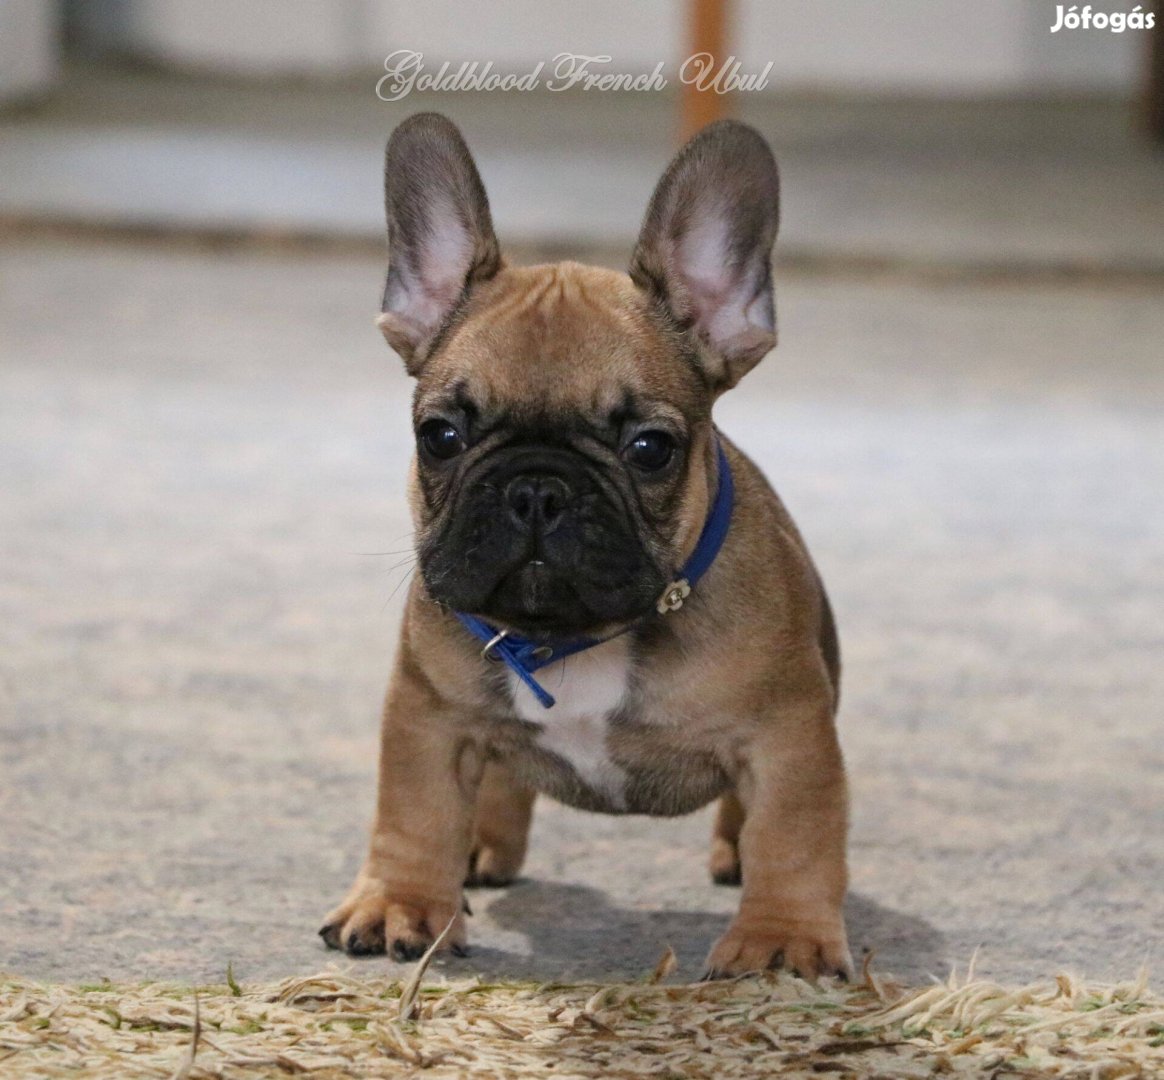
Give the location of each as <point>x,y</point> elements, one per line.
<point>901,46</point>
<point>28,47</point>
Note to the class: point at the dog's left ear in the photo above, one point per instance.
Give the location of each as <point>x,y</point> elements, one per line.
<point>704,250</point>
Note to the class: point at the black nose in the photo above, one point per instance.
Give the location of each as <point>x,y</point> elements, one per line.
<point>537,502</point>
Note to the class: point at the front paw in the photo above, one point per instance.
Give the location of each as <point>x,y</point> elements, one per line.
<point>807,949</point>
<point>376,919</point>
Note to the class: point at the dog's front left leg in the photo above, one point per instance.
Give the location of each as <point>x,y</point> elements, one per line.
<point>792,850</point>
<point>409,888</point>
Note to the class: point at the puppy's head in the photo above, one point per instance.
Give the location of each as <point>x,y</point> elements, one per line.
<point>562,413</point>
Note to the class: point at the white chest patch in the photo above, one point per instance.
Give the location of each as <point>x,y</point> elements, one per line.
<point>588,688</point>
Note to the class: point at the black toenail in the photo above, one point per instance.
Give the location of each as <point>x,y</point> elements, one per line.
<point>403,950</point>
<point>358,947</point>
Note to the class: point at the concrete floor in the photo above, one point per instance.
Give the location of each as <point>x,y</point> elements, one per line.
<point>202,534</point>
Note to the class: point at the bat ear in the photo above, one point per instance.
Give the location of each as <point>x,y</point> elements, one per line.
<point>704,252</point>
<point>440,233</point>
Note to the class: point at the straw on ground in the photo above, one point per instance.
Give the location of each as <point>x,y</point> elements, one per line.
<point>348,1025</point>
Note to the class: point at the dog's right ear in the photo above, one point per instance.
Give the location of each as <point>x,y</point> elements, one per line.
<point>440,233</point>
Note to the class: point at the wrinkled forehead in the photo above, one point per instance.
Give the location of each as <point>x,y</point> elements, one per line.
<point>561,339</point>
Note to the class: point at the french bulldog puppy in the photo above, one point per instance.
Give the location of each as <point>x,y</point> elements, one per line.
<point>579,518</point>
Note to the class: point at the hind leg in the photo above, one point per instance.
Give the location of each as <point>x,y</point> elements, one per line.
<point>501,831</point>
<point>724,862</point>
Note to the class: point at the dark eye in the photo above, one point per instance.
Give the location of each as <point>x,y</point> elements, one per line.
<point>440,439</point>
<point>650,450</point>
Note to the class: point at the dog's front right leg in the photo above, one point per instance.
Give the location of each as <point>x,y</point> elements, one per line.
<point>409,887</point>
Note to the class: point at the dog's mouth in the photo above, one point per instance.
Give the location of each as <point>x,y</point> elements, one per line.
<point>537,599</point>
<point>544,600</point>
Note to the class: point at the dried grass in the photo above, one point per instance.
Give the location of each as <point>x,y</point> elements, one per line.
<point>341,1025</point>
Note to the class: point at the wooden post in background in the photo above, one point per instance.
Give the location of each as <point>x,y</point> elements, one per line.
<point>707,32</point>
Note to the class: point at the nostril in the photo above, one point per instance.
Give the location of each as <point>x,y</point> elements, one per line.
<point>521,503</point>
<point>552,505</point>
<point>520,496</point>
<point>554,496</point>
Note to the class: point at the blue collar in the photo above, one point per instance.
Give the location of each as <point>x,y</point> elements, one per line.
<point>523,657</point>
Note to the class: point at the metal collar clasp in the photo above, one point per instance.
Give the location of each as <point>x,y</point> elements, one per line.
<point>491,644</point>
<point>673,596</point>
